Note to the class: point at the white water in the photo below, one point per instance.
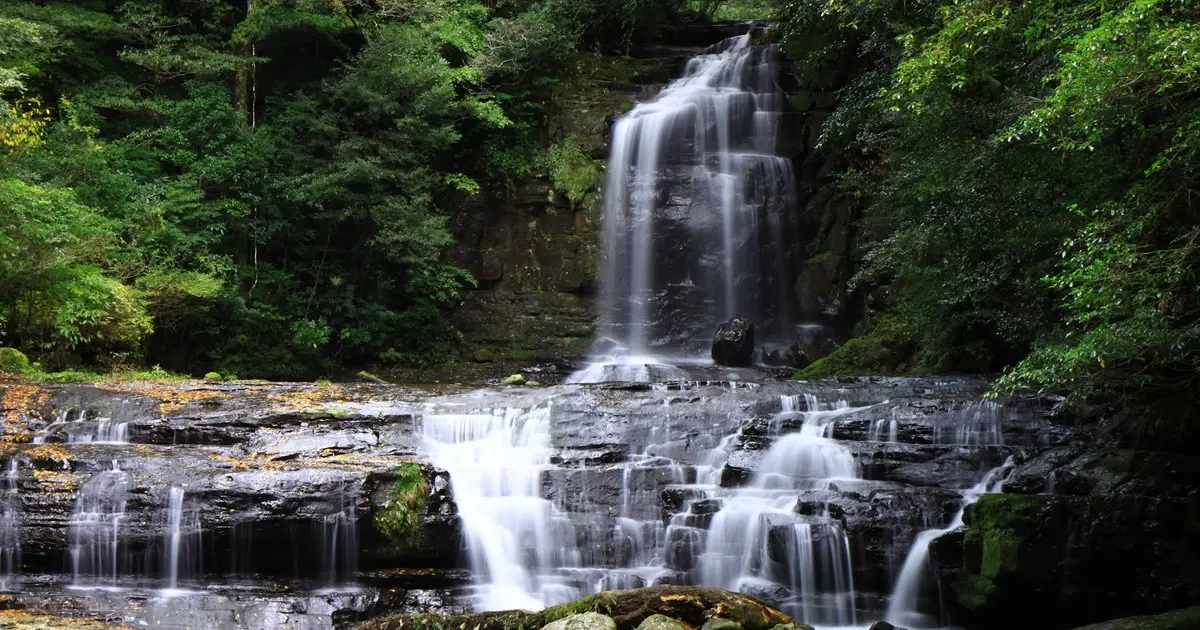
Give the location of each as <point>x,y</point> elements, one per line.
<point>181,538</point>
<point>80,430</point>
<point>339,533</point>
<point>695,168</point>
<point>816,567</point>
<point>95,528</point>
<point>516,538</point>
<point>10,528</point>
<point>903,606</point>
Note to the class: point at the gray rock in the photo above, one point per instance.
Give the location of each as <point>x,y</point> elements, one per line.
<point>660,622</point>
<point>584,621</point>
<point>733,344</point>
<point>719,623</point>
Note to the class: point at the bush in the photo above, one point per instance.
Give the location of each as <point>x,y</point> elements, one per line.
<point>400,517</point>
<point>13,360</point>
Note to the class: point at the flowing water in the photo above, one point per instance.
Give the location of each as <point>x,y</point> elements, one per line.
<point>10,524</point>
<point>339,533</point>
<point>82,428</point>
<point>94,538</point>
<point>181,539</point>
<point>814,568</point>
<point>697,212</point>
<point>905,607</point>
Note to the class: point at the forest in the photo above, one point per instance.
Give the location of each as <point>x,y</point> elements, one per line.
<point>263,188</point>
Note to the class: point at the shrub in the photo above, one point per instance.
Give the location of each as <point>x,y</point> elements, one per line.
<point>13,360</point>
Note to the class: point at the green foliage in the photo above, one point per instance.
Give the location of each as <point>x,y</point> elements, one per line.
<point>266,188</point>
<point>1029,169</point>
<point>13,360</point>
<point>725,10</point>
<point>572,170</point>
<point>400,517</point>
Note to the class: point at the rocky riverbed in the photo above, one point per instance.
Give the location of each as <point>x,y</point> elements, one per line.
<point>238,505</point>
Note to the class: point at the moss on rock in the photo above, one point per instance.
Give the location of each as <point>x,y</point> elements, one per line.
<point>400,517</point>
<point>1186,619</point>
<point>691,605</point>
<point>1011,546</point>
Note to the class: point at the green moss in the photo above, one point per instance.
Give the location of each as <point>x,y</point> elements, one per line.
<point>857,357</point>
<point>400,516</point>
<point>1186,619</point>
<point>882,349</point>
<point>13,360</point>
<point>554,613</point>
<point>1009,546</point>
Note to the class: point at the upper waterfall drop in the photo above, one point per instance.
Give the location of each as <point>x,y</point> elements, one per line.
<point>697,211</point>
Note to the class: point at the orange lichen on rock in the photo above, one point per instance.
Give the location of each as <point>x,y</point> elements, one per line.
<point>30,621</point>
<point>18,403</point>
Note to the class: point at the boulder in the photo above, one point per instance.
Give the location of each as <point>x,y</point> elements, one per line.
<point>733,345</point>
<point>660,622</point>
<point>720,623</point>
<point>628,609</point>
<point>583,621</point>
<point>515,379</point>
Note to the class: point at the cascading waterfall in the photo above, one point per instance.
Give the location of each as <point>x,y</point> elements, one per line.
<point>814,561</point>
<point>697,210</point>
<point>904,605</point>
<point>94,537</point>
<point>181,539</point>
<point>517,540</point>
<point>977,424</point>
<point>10,527</point>
<point>79,428</point>
<point>339,531</point>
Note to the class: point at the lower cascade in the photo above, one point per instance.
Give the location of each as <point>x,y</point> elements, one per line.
<point>543,527</point>
<point>10,523</point>
<point>182,540</point>
<point>904,608</point>
<point>95,534</point>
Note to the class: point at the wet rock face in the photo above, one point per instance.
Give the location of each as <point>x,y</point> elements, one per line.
<point>733,344</point>
<point>1075,559</point>
<point>267,471</point>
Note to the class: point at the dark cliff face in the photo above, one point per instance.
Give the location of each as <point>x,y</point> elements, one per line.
<point>1105,526</point>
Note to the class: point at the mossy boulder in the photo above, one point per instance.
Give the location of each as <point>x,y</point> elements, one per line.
<point>583,621</point>
<point>1186,619</point>
<point>720,623</point>
<point>691,605</point>
<point>661,622</point>
<point>13,360</point>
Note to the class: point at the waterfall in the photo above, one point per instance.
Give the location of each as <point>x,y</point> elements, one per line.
<point>10,528</point>
<point>742,550</point>
<point>80,428</point>
<point>181,538</point>
<point>94,536</point>
<point>516,539</point>
<point>903,607</point>
<point>977,423</point>
<point>697,210</point>
<point>339,531</point>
